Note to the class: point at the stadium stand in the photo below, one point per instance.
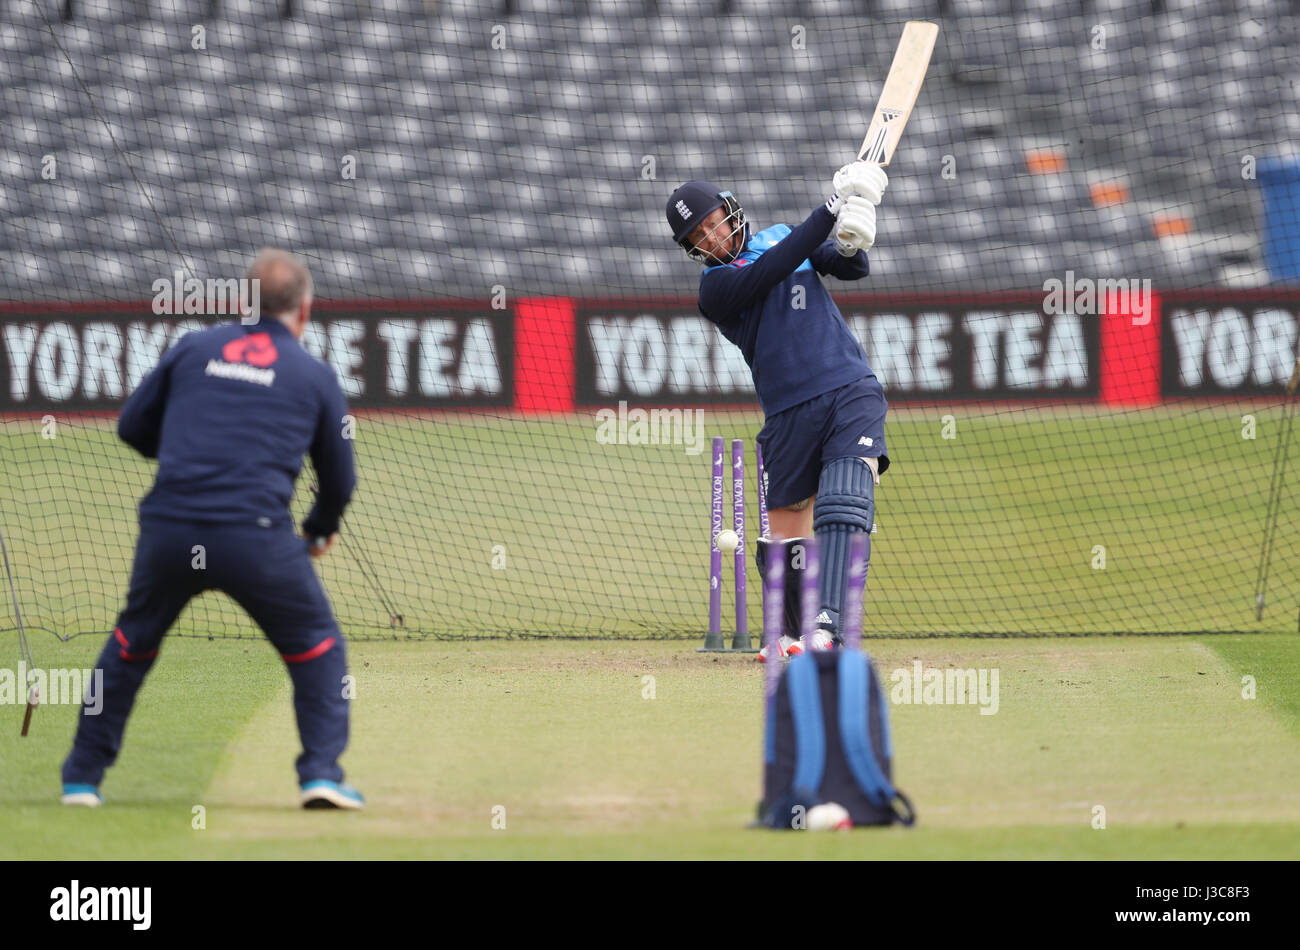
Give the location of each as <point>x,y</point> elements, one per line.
<point>1103,133</point>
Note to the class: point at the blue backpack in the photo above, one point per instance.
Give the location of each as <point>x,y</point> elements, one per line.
<point>827,740</point>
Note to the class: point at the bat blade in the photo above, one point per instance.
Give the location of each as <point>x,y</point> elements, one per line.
<point>902,86</point>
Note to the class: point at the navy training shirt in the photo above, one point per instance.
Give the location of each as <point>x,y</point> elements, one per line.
<point>792,354</point>
<point>229,412</point>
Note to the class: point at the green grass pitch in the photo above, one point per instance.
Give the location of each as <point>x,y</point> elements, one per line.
<point>577,754</point>
<point>539,746</point>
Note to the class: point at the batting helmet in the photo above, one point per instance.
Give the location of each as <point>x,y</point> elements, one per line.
<point>692,203</point>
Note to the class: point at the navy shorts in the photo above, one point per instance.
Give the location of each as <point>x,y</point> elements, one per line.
<point>797,442</point>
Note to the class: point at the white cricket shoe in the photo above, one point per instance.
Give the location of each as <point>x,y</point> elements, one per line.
<point>821,640</point>
<point>789,647</point>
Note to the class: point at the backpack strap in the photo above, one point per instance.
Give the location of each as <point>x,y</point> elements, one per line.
<point>855,734</point>
<point>809,729</point>
<point>886,732</point>
<point>769,731</point>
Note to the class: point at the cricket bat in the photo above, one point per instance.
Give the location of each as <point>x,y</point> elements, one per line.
<point>902,86</point>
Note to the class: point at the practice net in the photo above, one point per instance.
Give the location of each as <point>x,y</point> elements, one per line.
<point>480,188</point>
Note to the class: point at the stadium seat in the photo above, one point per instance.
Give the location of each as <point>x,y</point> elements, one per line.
<point>179,11</point>
<point>254,11</point>
<point>35,13</point>
<point>907,9</point>
<point>419,272</point>
<point>122,275</point>
<point>984,48</point>
<point>29,275</point>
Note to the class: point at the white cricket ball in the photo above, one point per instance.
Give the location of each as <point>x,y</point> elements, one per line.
<point>829,816</point>
<point>727,541</point>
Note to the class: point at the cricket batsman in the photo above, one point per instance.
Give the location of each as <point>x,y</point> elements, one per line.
<point>229,413</point>
<point>823,437</point>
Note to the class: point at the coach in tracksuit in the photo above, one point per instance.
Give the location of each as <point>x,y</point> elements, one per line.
<point>229,412</point>
<point>823,439</point>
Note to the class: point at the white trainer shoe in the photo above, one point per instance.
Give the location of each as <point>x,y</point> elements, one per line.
<point>322,793</point>
<point>789,647</point>
<point>821,640</point>
<point>85,795</point>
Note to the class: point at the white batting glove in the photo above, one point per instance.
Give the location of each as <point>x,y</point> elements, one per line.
<point>855,227</point>
<point>864,179</point>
